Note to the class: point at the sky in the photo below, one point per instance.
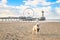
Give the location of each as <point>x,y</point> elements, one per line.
<point>31,8</point>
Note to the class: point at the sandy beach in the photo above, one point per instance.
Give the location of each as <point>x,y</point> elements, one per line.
<point>23,31</point>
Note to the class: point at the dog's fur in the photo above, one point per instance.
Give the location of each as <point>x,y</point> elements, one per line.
<point>36,29</point>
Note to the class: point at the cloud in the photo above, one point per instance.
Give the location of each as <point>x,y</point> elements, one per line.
<point>43,2</point>
<point>8,11</point>
<point>5,13</point>
<point>34,3</point>
<point>4,2</point>
<point>12,10</point>
<point>54,13</point>
<point>38,2</point>
<point>57,9</point>
<point>58,0</point>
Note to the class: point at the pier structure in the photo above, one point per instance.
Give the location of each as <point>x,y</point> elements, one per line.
<point>9,18</point>
<point>16,19</point>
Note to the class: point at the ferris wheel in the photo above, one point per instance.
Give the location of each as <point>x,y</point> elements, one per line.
<point>28,12</point>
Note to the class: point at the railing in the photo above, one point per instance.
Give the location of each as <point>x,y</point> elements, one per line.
<point>16,19</point>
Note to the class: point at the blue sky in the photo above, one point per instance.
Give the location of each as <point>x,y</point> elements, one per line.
<point>20,2</point>
<point>50,7</point>
<point>51,0</point>
<point>15,2</point>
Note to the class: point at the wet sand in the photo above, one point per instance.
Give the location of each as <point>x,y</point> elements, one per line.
<point>23,31</point>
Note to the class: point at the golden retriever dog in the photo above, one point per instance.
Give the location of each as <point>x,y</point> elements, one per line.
<point>36,29</point>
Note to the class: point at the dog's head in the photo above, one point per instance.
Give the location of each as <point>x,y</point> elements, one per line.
<point>37,24</point>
